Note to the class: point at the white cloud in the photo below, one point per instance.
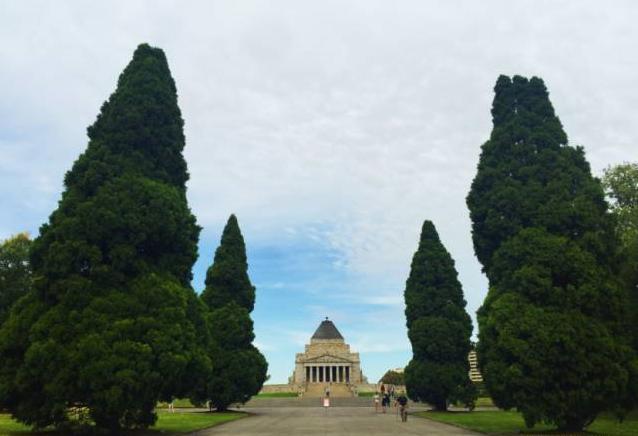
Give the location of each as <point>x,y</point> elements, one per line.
<point>349,123</point>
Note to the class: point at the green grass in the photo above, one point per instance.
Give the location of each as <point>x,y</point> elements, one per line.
<point>8,425</point>
<point>502,422</point>
<point>609,425</point>
<point>276,395</point>
<point>483,421</point>
<point>167,423</point>
<point>190,421</point>
<point>484,402</point>
<point>179,403</point>
<point>480,402</point>
<point>366,394</point>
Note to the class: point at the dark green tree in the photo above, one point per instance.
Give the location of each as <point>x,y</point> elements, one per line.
<point>621,186</point>
<point>552,330</point>
<point>112,322</point>
<point>15,272</point>
<point>240,369</point>
<point>439,328</point>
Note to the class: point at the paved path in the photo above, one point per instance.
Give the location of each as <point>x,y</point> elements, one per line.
<point>336,421</point>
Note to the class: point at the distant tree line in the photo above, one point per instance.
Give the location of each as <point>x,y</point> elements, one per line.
<point>393,378</point>
<point>103,315</point>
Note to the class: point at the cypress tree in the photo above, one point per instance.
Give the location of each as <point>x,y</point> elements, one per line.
<point>240,369</point>
<point>552,341</point>
<point>108,324</point>
<point>439,328</point>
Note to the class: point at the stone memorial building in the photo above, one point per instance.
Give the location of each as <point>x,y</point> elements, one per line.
<point>327,359</point>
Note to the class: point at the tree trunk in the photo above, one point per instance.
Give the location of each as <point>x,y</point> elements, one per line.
<point>440,406</point>
<point>573,425</point>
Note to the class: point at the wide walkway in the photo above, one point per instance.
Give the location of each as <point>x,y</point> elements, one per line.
<point>334,421</point>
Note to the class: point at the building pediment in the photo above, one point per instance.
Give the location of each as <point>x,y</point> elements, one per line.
<point>327,358</point>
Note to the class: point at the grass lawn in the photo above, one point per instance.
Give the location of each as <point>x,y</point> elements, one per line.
<point>276,395</point>
<point>167,423</point>
<point>502,422</point>
<point>366,394</point>
<point>484,402</point>
<point>190,421</point>
<point>178,403</point>
<point>8,425</point>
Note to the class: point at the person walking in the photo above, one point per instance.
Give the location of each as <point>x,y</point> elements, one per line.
<point>376,402</point>
<point>385,402</point>
<point>402,402</point>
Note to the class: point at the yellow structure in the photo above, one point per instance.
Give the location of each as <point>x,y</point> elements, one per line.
<point>475,374</point>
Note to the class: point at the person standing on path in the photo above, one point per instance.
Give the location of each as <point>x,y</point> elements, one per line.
<point>376,402</point>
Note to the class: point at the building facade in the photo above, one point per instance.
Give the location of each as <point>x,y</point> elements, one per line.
<point>327,359</point>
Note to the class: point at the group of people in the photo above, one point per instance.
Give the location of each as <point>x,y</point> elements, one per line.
<point>387,396</point>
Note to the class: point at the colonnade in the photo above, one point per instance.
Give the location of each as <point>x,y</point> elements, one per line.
<point>327,373</point>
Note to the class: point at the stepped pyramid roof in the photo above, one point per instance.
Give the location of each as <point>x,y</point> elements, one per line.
<point>327,330</point>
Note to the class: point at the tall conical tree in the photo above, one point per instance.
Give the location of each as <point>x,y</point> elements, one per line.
<point>439,328</point>
<point>108,324</point>
<point>552,341</point>
<point>227,279</point>
<point>240,369</point>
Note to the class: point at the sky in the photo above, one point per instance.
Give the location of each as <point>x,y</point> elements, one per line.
<point>332,129</point>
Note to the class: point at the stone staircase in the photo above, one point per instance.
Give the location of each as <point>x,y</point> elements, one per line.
<point>337,390</point>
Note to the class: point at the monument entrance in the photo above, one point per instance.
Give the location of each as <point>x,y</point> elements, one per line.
<point>328,364</point>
